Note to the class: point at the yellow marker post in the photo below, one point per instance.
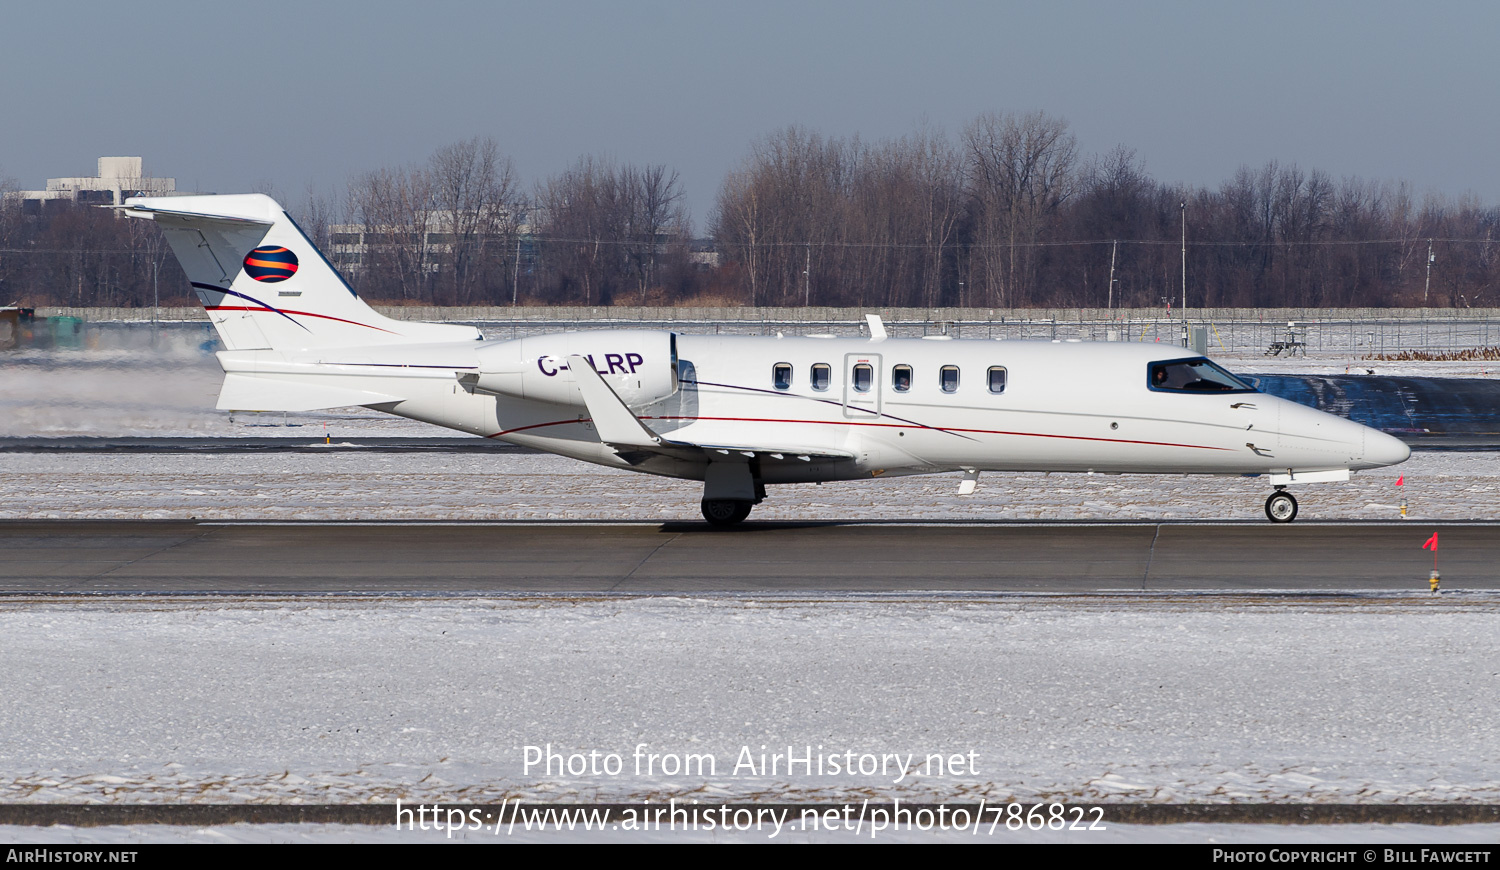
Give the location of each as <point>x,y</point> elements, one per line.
<point>1432,544</point>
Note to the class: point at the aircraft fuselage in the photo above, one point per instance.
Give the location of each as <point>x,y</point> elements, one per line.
<point>894,406</point>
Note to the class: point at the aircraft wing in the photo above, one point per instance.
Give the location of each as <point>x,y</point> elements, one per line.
<point>620,428</point>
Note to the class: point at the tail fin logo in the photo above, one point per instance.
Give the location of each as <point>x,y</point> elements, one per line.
<point>271,264</point>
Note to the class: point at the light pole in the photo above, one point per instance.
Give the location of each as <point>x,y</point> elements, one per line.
<point>1428,286</point>
<point>1113,251</point>
<point>515,275</point>
<point>807,279</point>
<point>1184,275</point>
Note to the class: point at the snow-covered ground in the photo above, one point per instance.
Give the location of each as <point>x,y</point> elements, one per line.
<point>349,483</point>
<point>1149,699</point>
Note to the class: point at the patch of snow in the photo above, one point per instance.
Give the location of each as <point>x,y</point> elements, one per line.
<point>248,700</point>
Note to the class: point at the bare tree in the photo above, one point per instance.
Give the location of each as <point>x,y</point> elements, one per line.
<point>740,224</point>
<point>580,219</point>
<point>395,208</point>
<point>474,199</point>
<point>318,212</point>
<point>657,201</point>
<point>1020,173</point>
<point>940,173</point>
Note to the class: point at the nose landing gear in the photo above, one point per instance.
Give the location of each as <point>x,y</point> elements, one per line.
<point>1281,507</point>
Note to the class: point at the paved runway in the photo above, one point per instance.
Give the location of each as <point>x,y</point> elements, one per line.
<point>82,557</point>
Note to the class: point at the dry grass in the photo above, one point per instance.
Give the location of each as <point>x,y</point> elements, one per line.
<point>1473,354</point>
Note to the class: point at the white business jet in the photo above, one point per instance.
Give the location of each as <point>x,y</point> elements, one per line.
<point>739,413</point>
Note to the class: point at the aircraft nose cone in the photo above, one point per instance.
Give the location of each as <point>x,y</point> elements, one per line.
<point>1382,449</point>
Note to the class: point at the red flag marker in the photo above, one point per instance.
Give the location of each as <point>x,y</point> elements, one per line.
<point>1431,543</point>
<point>1400,480</point>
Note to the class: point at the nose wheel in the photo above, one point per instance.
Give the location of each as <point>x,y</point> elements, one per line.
<point>1281,507</point>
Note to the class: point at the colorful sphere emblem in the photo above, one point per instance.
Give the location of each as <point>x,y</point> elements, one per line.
<point>271,264</point>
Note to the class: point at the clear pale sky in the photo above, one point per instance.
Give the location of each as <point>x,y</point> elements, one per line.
<point>227,97</point>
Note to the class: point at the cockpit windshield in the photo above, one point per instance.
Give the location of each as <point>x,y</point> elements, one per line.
<point>1196,375</point>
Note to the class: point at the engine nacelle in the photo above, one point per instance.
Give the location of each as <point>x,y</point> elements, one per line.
<point>641,366</point>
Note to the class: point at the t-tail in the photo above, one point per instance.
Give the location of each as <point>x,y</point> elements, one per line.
<point>265,285</point>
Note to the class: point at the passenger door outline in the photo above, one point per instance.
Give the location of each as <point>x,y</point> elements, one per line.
<point>857,404</point>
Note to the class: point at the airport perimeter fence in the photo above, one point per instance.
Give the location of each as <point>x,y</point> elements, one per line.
<point>1359,332</point>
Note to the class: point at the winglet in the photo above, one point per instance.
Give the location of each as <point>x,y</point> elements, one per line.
<point>877,327</point>
<point>614,422</point>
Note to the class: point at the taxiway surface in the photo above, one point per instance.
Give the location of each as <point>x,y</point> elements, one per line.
<point>84,557</point>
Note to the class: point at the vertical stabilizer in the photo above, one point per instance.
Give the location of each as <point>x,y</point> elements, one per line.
<point>263,282</point>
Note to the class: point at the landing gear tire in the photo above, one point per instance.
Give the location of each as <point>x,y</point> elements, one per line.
<point>1281,507</point>
<point>722,513</point>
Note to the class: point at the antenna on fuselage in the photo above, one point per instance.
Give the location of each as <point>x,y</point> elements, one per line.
<point>877,327</point>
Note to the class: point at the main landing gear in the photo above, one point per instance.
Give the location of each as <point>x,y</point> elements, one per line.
<point>730,489</point>
<point>1281,507</point>
<point>722,512</point>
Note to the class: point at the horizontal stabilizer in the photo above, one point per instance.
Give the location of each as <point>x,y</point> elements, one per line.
<point>139,208</point>
<point>244,392</point>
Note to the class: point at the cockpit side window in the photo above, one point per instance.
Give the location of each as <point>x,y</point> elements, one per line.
<point>1196,375</point>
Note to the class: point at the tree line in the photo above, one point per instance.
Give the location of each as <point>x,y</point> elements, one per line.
<point>1007,214</point>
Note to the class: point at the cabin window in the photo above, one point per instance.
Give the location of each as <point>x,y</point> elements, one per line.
<point>781,376</point>
<point>901,378</point>
<point>948,379</point>
<point>822,374</point>
<point>1193,376</point>
<point>997,379</point>
<point>864,378</point>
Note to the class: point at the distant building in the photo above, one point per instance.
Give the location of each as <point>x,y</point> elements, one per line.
<point>704,255</point>
<point>351,244</point>
<point>118,178</point>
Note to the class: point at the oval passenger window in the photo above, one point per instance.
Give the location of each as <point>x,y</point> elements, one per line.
<point>864,378</point>
<point>948,379</point>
